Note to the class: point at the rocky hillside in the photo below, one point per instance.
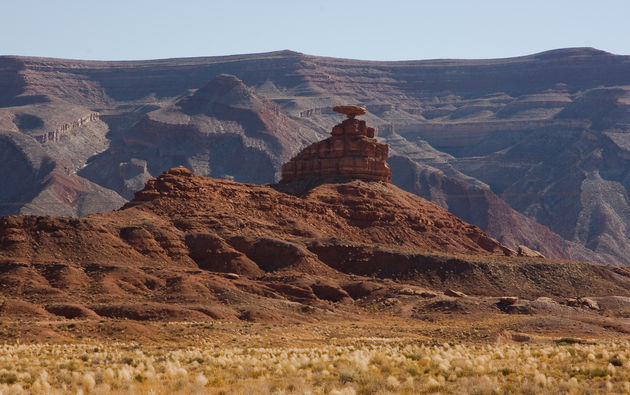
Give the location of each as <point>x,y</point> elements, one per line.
<point>533,149</point>
<point>195,248</point>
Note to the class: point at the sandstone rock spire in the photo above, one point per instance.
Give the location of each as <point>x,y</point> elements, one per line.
<point>350,153</point>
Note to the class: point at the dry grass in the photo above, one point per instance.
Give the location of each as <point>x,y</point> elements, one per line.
<point>350,365</point>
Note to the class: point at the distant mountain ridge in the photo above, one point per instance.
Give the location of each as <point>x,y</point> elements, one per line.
<point>532,149</point>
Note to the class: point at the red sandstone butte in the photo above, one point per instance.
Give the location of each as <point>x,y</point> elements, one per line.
<point>351,153</point>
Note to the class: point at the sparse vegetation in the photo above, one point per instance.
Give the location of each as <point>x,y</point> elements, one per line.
<point>363,366</point>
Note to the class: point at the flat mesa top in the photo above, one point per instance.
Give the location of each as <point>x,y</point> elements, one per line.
<point>350,111</point>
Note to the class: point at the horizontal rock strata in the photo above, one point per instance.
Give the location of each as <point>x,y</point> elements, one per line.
<point>351,153</point>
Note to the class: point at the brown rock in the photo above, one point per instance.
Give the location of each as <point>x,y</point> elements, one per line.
<point>417,292</point>
<point>211,252</point>
<point>15,308</point>
<point>456,294</point>
<point>296,293</point>
<point>70,310</point>
<point>572,302</point>
<point>360,289</point>
<point>545,299</point>
<point>149,312</point>
<point>351,153</point>
<point>517,308</point>
<point>518,337</point>
<point>528,252</point>
<point>257,314</point>
<point>588,302</point>
<point>350,111</point>
<point>583,302</point>
<point>508,300</point>
<point>329,292</point>
<point>391,302</point>
<point>409,291</point>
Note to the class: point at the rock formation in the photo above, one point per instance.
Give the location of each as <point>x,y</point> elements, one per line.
<point>540,161</point>
<point>351,153</point>
<point>200,249</point>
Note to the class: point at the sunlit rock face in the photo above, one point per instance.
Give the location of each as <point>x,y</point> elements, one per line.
<point>351,153</point>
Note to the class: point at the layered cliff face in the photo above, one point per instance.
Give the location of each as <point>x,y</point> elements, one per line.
<point>478,204</point>
<point>223,129</point>
<point>538,141</point>
<point>351,153</point>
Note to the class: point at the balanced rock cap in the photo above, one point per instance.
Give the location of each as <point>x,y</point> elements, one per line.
<point>350,111</point>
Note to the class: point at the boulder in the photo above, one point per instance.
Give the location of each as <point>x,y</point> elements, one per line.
<point>583,302</point>
<point>508,300</point>
<point>545,299</point>
<point>590,303</point>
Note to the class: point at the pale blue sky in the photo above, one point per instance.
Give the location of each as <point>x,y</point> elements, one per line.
<point>376,30</point>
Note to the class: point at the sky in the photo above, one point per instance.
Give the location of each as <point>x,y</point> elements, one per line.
<point>370,30</point>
